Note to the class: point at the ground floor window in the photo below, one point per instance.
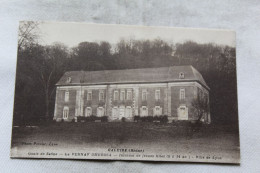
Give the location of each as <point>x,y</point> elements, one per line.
<point>128,112</point>
<point>144,111</point>
<point>183,113</point>
<point>65,112</point>
<point>157,111</point>
<point>100,111</point>
<point>88,111</point>
<point>115,112</point>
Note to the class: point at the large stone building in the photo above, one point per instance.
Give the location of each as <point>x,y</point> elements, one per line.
<point>126,93</point>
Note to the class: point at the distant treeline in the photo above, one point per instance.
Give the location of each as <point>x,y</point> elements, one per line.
<point>40,67</point>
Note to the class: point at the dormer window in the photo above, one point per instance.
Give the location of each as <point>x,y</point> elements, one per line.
<point>181,75</point>
<point>68,80</point>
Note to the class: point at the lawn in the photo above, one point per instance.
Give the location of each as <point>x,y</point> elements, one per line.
<point>153,137</point>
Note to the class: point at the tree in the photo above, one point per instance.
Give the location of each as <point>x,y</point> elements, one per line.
<point>52,66</point>
<point>201,106</point>
<point>90,56</point>
<point>143,53</point>
<point>38,70</point>
<point>28,33</point>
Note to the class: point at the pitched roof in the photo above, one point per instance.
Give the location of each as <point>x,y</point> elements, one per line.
<point>126,76</point>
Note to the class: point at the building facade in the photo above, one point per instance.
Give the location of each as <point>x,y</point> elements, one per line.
<point>132,92</point>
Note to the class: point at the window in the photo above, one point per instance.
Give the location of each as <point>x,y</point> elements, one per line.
<point>67,95</point>
<point>128,112</point>
<point>144,95</point>
<point>182,94</point>
<point>122,95</point>
<point>101,96</point>
<point>89,95</point>
<point>68,80</point>
<point>88,111</point>
<point>129,95</point>
<point>157,111</point>
<point>66,112</point>
<point>182,113</point>
<point>181,75</point>
<point>144,111</point>
<point>100,111</point>
<point>116,95</point>
<point>157,95</point>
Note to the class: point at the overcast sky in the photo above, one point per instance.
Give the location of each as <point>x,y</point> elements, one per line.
<point>71,34</point>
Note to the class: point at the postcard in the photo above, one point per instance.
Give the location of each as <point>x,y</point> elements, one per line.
<point>119,92</point>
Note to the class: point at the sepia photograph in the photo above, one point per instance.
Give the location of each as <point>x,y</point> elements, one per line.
<point>125,92</point>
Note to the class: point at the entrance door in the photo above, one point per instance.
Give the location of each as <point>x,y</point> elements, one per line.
<point>183,113</point>
<point>121,112</point>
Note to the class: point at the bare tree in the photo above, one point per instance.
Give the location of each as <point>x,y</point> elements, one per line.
<point>28,33</point>
<point>201,105</point>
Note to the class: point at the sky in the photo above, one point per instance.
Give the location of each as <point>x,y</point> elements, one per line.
<point>71,34</point>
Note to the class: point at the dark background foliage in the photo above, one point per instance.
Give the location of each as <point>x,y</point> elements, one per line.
<point>40,67</point>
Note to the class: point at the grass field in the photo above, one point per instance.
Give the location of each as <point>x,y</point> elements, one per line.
<point>173,138</point>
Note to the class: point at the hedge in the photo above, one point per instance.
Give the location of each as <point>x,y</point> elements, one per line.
<point>161,119</point>
<point>92,118</point>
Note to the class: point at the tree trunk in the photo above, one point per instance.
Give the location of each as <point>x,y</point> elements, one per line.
<point>47,104</point>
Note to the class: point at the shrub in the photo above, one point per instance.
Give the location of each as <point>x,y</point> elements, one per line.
<point>89,119</point>
<point>161,119</point>
<point>104,119</point>
<point>196,126</point>
<point>143,119</point>
<point>156,118</point>
<point>137,118</point>
<point>92,118</point>
<point>81,119</point>
<point>149,119</point>
<point>182,123</point>
<point>164,119</point>
<point>123,119</point>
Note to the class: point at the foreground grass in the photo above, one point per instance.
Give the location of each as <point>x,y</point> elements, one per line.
<point>171,138</point>
<point>121,132</point>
